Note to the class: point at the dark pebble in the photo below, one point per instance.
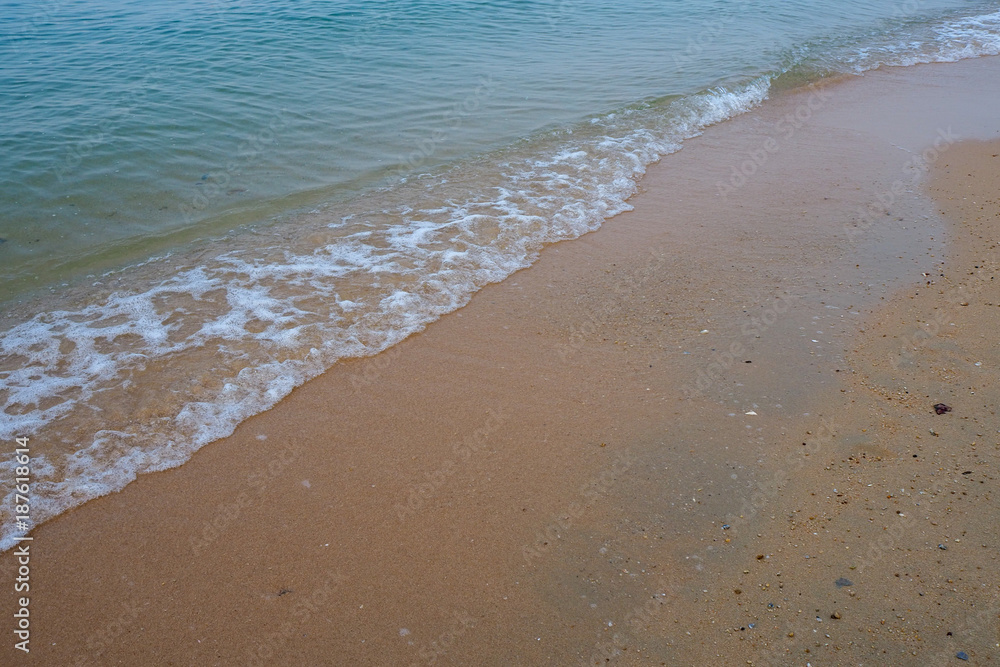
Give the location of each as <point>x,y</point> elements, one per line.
<point>725,526</point>
<point>962,655</point>
<point>942,547</point>
<point>941,408</point>
<point>841,583</point>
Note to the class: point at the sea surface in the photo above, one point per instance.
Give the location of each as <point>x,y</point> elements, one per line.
<point>205,204</point>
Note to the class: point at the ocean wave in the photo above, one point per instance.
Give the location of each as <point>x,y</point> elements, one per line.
<point>174,354</point>
<point>950,40</point>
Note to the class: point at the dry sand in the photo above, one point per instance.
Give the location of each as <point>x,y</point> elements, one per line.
<point>546,476</point>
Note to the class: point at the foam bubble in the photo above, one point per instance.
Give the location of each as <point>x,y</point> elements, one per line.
<point>947,41</point>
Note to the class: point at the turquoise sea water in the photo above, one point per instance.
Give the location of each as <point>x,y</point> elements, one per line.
<point>226,197</point>
<point>114,113</point>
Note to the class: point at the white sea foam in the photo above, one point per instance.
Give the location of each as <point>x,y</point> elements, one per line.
<point>233,336</point>
<point>951,41</point>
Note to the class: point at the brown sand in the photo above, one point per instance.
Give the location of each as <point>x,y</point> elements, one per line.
<point>544,477</point>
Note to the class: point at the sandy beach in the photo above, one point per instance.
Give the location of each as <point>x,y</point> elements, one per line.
<point>702,435</point>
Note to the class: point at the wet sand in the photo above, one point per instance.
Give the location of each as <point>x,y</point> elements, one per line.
<point>696,419</point>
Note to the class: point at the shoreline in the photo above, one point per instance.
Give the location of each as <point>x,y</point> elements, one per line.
<point>555,480</point>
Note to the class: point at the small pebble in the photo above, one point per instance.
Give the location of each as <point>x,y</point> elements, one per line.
<point>842,582</point>
<point>941,408</point>
<point>835,615</point>
<point>962,655</point>
<point>725,526</point>
<point>942,547</point>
